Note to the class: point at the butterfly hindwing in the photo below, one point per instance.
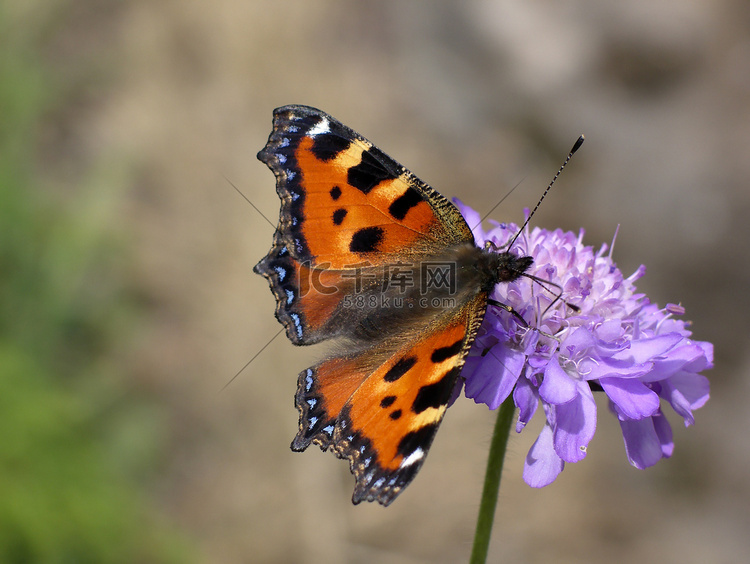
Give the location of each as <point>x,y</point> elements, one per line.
<point>383,420</point>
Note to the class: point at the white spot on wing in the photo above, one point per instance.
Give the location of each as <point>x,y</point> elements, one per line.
<point>415,456</point>
<point>321,127</point>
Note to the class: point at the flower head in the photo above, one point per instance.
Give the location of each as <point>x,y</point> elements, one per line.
<point>614,340</point>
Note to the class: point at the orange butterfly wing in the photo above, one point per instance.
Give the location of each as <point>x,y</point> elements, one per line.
<point>343,203</point>
<point>384,420</point>
<point>349,211</point>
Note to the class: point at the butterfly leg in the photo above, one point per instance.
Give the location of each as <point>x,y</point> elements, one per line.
<point>509,309</point>
<point>521,320</point>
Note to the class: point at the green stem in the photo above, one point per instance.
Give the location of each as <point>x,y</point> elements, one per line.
<point>492,482</point>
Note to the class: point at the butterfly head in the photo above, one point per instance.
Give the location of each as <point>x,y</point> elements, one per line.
<point>506,266</point>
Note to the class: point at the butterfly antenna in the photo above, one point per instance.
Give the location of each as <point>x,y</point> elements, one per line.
<point>576,146</point>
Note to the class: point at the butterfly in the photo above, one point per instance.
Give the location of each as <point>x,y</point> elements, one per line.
<point>374,261</point>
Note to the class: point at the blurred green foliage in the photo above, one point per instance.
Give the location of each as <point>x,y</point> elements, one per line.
<point>77,444</point>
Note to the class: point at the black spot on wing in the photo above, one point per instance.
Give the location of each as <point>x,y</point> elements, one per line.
<point>436,394</point>
<point>395,414</point>
<point>366,240</point>
<point>444,353</point>
<point>401,205</point>
<point>387,401</point>
<point>421,438</point>
<point>400,368</point>
<point>369,172</point>
<point>335,193</point>
<point>326,146</point>
<point>338,216</point>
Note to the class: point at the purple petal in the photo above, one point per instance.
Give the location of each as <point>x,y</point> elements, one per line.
<point>542,465</point>
<point>610,330</point>
<point>703,363</point>
<point>677,359</point>
<point>644,350</point>
<point>576,424</point>
<point>557,387</point>
<point>606,368</point>
<point>664,432</point>
<point>642,444</point>
<point>686,392</point>
<point>580,339</point>
<point>527,402</point>
<point>634,399</point>
<point>494,377</point>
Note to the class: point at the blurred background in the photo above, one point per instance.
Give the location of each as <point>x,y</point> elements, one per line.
<point>128,299</point>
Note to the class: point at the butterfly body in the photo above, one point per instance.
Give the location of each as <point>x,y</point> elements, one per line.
<point>374,261</point>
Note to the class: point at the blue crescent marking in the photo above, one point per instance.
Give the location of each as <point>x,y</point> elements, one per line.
<point>297,324</point>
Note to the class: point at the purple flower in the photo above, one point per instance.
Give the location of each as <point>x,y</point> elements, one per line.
<point>617,342</point>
